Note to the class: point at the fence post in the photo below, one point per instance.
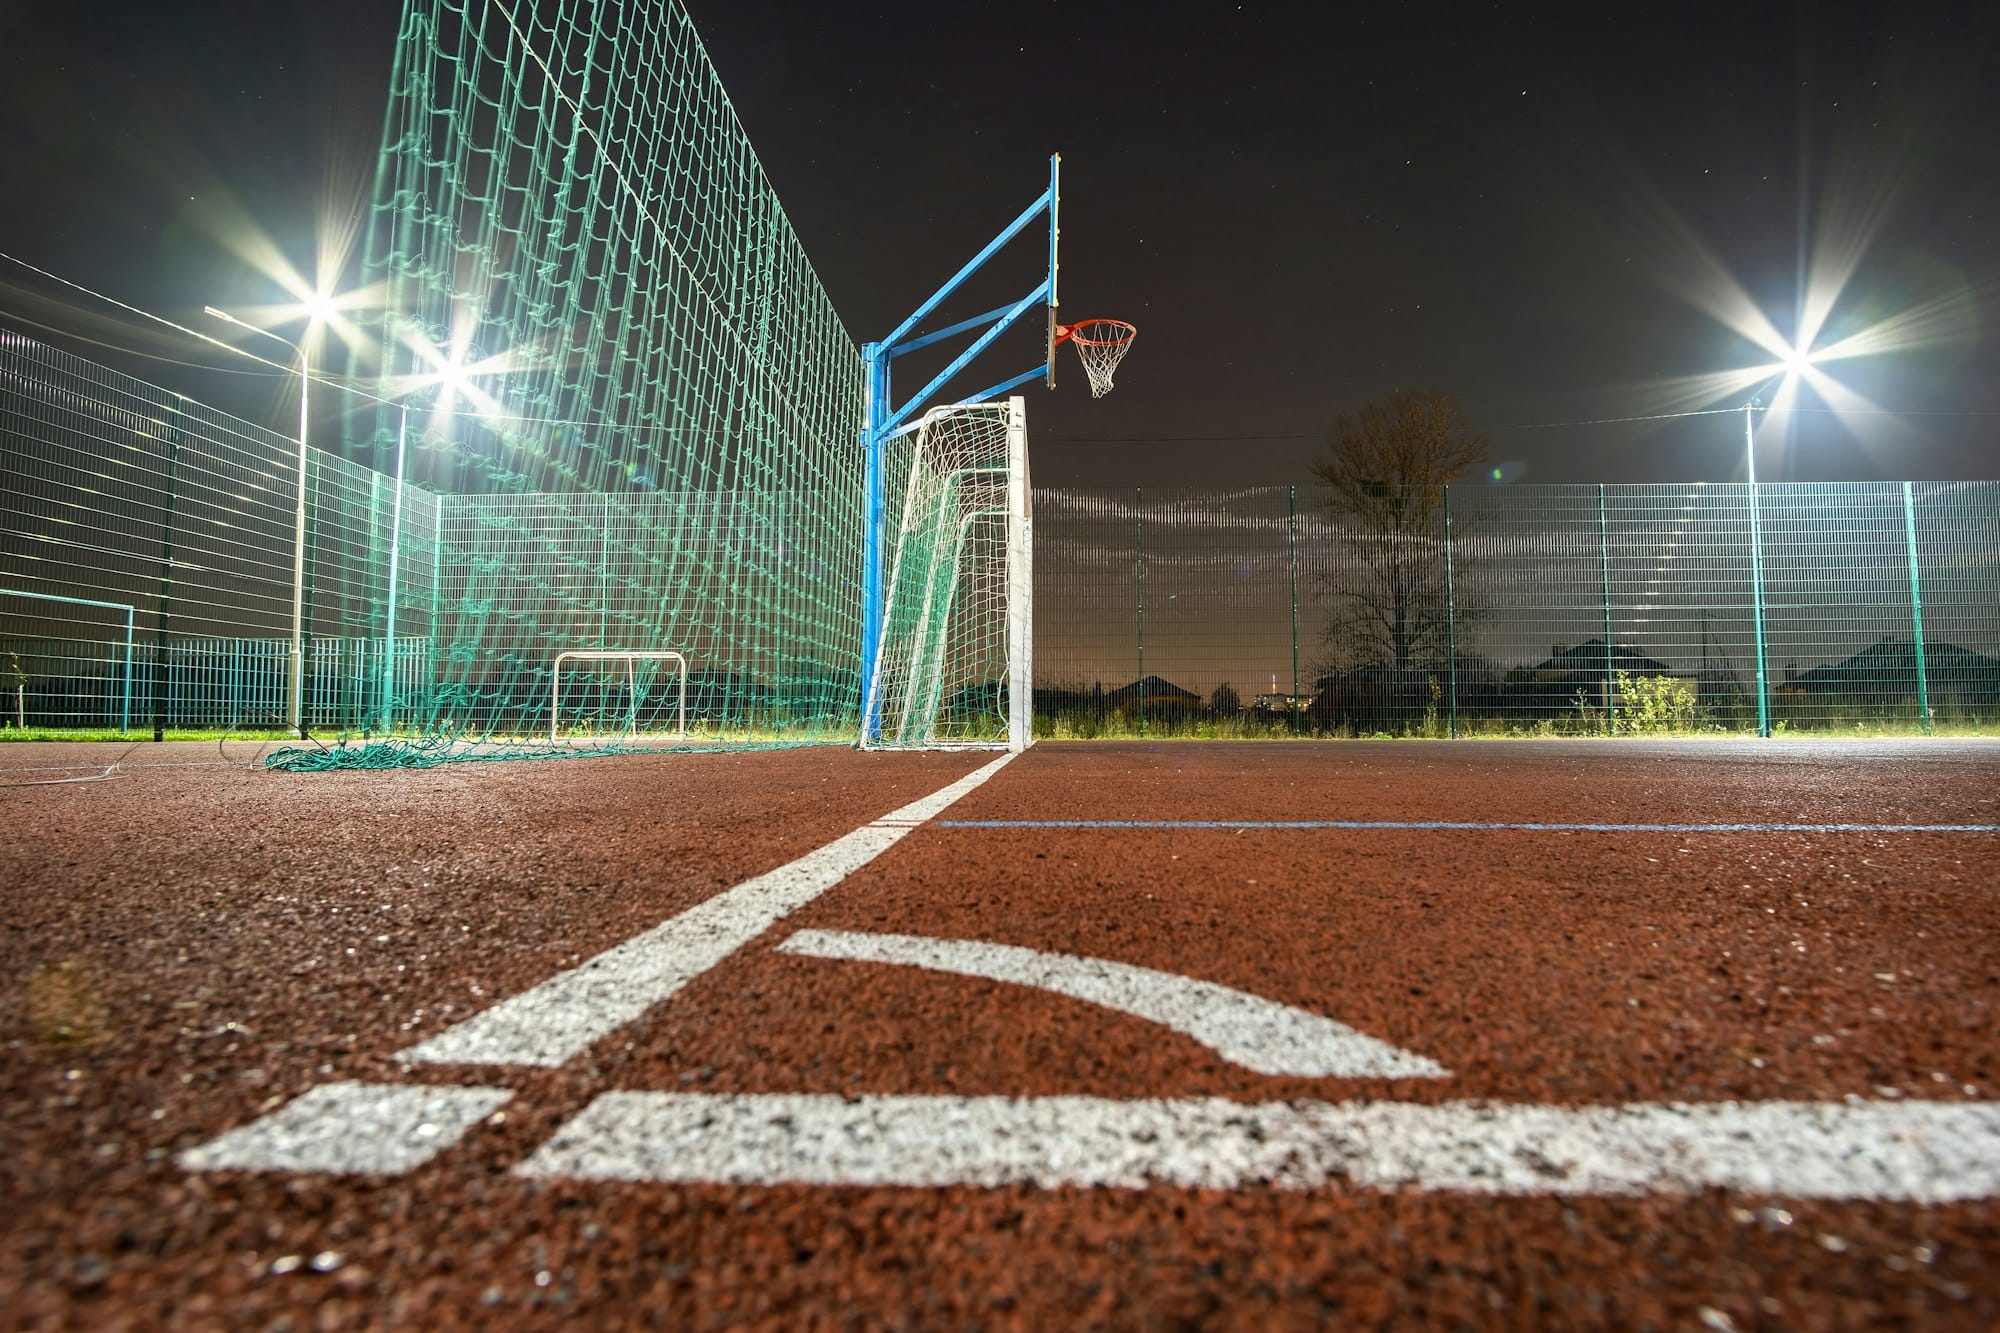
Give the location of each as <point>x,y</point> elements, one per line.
<point>1292,502</point>
<point>1917,611</point>
<point>1450,618</point>
<point>1139,576</point>
<point>166,578</point>
<point>1604,570</point>
<point>437,611</point>
<point>388,663</point>
<point>604,601</point>
<point>308,604</point>
<point>1757,571</point>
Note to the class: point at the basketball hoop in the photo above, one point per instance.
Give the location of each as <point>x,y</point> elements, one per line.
<point>1100,344</point>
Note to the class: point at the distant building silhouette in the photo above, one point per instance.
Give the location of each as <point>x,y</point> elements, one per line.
<point>1154,697</point>
<point>1885,675</point>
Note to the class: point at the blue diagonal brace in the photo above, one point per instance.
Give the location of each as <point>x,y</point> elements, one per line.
<point>1028,215</point>
<point>1039,296</point>
<point>962,326</point>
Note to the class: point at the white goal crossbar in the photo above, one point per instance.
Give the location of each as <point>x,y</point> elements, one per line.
<point>631,659</point>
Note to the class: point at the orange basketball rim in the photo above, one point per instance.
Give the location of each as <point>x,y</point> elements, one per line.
<point>1100,344</point>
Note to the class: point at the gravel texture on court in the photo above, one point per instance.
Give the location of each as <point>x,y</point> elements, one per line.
<point>195,943</point>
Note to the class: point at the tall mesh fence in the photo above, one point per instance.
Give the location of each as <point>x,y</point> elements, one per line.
<point>147,571</point>
<point>1629,609</point>
<point>127,504</point>
<point>653,446</point>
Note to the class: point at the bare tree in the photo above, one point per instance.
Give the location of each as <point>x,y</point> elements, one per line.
<point>1384,475</point>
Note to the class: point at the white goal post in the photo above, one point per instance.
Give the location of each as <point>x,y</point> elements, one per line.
<point>631,659</point>
<point>954,666</point>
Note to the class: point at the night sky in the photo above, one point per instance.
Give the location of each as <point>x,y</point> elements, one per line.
<point>1303,207</point>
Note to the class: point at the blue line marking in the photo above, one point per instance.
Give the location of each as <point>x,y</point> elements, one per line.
<point>1365,824</point>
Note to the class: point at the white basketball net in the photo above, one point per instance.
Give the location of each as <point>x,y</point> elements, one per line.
<point>1101,344</point>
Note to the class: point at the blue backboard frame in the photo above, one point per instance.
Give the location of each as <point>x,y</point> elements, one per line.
<point>882,420</point>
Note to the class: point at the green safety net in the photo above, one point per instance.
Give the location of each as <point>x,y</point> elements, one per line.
<point>631,398</point>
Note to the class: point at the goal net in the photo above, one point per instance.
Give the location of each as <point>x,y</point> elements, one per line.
<point>955,669</point>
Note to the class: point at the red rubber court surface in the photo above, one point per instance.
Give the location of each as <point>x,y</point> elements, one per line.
<point>1509,1034</point>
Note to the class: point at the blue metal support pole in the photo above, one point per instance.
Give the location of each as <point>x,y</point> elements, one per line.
<point>1055,253</point>
<point>874,444</point>
<point>881,422</point>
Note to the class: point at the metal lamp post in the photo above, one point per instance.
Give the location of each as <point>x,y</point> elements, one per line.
<point>395,552</point>
<point>296,684</point>
<point>1757,568</point>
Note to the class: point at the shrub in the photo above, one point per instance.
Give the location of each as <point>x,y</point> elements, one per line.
<point>1655,705</point>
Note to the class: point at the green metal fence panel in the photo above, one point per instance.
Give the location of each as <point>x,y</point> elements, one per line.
<point>1170,610</point>
<point>1957,538</point>
<point>1682,603</point>
<point>1545,610</point>
<point>1526,637</point>
<point>1837,605</point>
<point>1086,600</point>
<point>121,492</point>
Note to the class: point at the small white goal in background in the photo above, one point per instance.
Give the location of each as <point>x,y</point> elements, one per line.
<point>631,658</point>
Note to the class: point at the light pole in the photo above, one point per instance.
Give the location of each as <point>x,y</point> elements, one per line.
<point>1756,568</point>
<point>395,551</point>
<point>296,684</point>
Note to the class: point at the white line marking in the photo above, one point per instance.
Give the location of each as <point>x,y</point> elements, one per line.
<point>1446,825</point>
<point>1248,1030</point>
<point>1923,1152</point>
<point>570,1011</point>
<point>369,1129</point>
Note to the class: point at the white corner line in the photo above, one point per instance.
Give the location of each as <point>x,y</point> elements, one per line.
<point>1914,1152</point>
<point>563,1016</point>
<point>374,1129</point>
<point>1248,1030</point>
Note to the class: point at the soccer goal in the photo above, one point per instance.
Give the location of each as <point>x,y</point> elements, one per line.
<point>953,668</point>
<point>598,724</point>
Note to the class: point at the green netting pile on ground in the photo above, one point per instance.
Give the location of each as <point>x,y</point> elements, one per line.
<point>631,391</point>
